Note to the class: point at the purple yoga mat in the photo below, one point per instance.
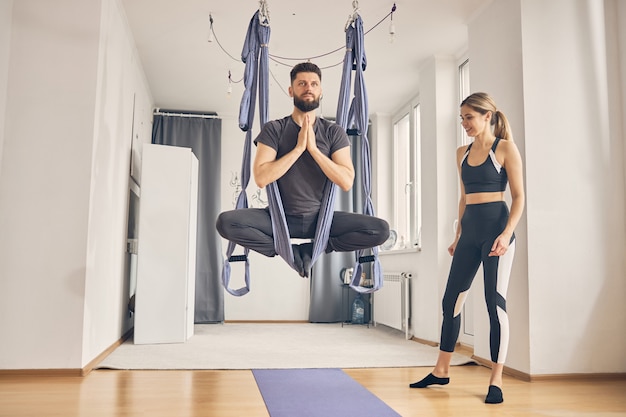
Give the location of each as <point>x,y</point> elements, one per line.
<point>317,393</point>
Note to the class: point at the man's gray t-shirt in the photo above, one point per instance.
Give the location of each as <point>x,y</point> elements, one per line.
<point>302,187</point>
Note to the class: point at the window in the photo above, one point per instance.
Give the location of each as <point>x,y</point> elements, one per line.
<point>464,91</point>
<point>467,318</point>
<point>416,212</point>
<point>406,177</point>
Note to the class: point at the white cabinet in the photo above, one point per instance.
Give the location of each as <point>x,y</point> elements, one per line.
<point>166,258</point>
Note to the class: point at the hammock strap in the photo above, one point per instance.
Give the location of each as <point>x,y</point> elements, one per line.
<point>257,72</point>
<point>356,113</point>
<point>282,239</point>
<point>255,55</point>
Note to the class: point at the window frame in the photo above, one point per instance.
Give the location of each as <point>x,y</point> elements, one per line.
<point>464,91</point>
<point>410,217</point>
<point>466,335</point>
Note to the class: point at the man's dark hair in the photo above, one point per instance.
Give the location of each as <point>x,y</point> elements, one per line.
<point>305,67</point>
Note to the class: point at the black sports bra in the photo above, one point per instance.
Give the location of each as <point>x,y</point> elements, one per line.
<point>489,176</point>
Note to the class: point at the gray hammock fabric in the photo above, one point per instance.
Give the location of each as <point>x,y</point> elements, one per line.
<point>255,55</point>
<point>356,114</point>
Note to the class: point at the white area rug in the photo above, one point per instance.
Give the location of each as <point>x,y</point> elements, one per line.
<point>280,346</point>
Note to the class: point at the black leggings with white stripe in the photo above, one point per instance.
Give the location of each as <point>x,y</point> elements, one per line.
<point>480,225</point>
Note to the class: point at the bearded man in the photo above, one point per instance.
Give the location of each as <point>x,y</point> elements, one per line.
<point>300,152</point>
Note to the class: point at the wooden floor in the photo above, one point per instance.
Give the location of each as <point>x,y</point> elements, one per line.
<point>235,394</point>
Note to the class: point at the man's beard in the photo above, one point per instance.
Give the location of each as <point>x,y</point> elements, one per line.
<point>306,106</point>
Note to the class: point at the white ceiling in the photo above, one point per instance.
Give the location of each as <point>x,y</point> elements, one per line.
<point>186,72</point>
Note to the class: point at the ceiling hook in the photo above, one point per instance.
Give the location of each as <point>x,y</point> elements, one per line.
<point>264,13</point>
<point>354,15</point>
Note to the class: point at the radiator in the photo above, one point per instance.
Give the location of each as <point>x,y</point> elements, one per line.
<point>391,303</point>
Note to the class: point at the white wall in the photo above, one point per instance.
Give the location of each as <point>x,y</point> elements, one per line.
<point>6,9</point>
<point>616,13</point>
<point>64,183</point>
<point>616,51</point>
<point>580,208</point>
<point>122,97</point>
<point>546,66</point>
<point>44,188</point>
<point>497,70</point>
<point>553,85</point>
<point>438,104</point>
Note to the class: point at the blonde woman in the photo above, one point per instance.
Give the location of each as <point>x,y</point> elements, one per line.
<point>484,235</point>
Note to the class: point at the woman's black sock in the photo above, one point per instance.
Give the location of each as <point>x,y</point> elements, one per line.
<point>494,395</point>
<point>430,379</point>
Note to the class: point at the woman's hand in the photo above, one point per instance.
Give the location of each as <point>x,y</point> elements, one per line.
<point>500,245</point>
<point>452,247</point>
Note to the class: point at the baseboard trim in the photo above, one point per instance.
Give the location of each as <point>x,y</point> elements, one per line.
<point>459,348</point>
<point>464,349</point>
<point>424,341</point>
<point>61,372</point>
<point>574,377</point>
<point>268,321</point>
<point>551,377</point>
<point>523,376</point>
<point>64,372</point>
<point>91,365</point>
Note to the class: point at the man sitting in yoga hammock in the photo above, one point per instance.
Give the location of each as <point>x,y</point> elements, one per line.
<point>300,152</point>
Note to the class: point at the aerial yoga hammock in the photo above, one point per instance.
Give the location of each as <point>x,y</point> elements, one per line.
<point>255,55</point>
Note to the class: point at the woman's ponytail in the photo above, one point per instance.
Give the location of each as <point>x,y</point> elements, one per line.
<point>501,128</point>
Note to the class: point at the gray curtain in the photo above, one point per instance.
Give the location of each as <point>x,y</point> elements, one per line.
<point>203,136</point>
